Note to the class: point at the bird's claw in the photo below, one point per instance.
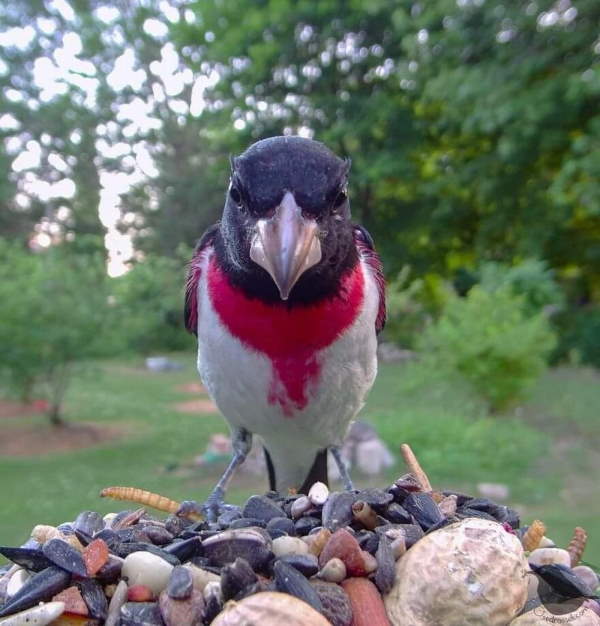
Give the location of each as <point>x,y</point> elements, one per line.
<point>214,506</point>
<point>190,509</point>
<point>208,510</point>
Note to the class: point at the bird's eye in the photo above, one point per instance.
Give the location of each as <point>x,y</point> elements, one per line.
<point>340,199</point>
<point>235,195</point>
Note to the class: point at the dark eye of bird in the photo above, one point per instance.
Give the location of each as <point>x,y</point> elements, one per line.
<point>235,195</point>
<point>340,199</point>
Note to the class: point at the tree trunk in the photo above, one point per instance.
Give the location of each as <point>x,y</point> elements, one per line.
<point>54,415</point>
<point>58,381</point>
<point>26,391</point>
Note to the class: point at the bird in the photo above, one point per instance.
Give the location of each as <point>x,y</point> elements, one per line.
<point>286,296</point>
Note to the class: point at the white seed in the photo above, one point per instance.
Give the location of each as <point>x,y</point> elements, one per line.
<point>318,494</point>
<point>202,577</point>
<point>588,575</point>
<point>37,616</point>
<point>17,580</point>
<point>5,579</point>
<point>118,599</point>
<point>547,556</point>
<point>369,561</point>
<point>283,546</point>
<point>42,533</point>
<point>212,588</point>
<point>108,519</point>
<point>398,547</point>
<point>334,571</point>
<point>300,505</point>
<point>144,568</point>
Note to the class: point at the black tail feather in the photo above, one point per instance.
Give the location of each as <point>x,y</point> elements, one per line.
<point>270,470</point>
<point>317,473</point>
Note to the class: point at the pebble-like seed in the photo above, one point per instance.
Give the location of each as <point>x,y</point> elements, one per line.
<point>317,541</point>
<point>212,588</point>
<point>398,546</point>
<point>334,571</point>
<point>42,533</point>
<point>369,561</point>
<point>318,494</point>
<point>284,546</point>
<point>588,575</point>
<point>108,519</point>
<point>17,580</point>
<point>144,568</point>
<point>547,556</point>
<point>201,577</point>
<point>36,616</point>
<point>300,506</point>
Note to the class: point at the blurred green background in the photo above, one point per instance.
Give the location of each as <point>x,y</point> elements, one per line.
<point>474,133</point>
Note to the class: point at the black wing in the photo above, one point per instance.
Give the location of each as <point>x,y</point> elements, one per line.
<point>193,277</point>
<point>366,249</point>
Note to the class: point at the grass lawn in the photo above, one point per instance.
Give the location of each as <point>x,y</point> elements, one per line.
<point>546,451</point>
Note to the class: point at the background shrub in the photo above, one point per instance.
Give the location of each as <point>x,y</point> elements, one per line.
<point>411,304</point>
<point>149,301</point>
<point>56,314</point>
<point>490,340</point>
<point>579,337</point>
<point>532,279</point>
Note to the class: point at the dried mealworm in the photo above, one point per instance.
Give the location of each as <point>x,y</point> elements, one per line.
<point>577,545</point>
<point>364,514</point>
<point>532,537</point>
<point>414,467</point>
<point>147,498</point>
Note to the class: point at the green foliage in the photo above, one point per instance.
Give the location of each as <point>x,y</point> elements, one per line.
<point>446,423</point>
<point>405,313</point>
<point>490,340</point>
<point>532,279</point>
<point>55,312</point>
<point>579,337</point>
<point>149,303</point>
<point>473,127</point>
<point>411,304</point>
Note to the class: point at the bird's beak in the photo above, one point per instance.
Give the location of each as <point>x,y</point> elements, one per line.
<point>286,245</point>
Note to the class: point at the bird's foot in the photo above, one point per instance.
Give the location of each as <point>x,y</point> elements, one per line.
<point>190,509</point>
<point>343,470</point>
<point>214,505</point>
<point>209,510</point>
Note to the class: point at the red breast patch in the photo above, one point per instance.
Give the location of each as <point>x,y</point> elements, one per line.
<point>290,337</point>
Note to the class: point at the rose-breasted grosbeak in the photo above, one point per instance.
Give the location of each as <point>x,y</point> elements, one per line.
<point>286,297</point>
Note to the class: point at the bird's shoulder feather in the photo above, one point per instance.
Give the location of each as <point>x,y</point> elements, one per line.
<point>193,277</point>
<point>366,249</point>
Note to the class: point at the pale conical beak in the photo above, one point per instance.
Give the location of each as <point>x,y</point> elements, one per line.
<point>286,245</point>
